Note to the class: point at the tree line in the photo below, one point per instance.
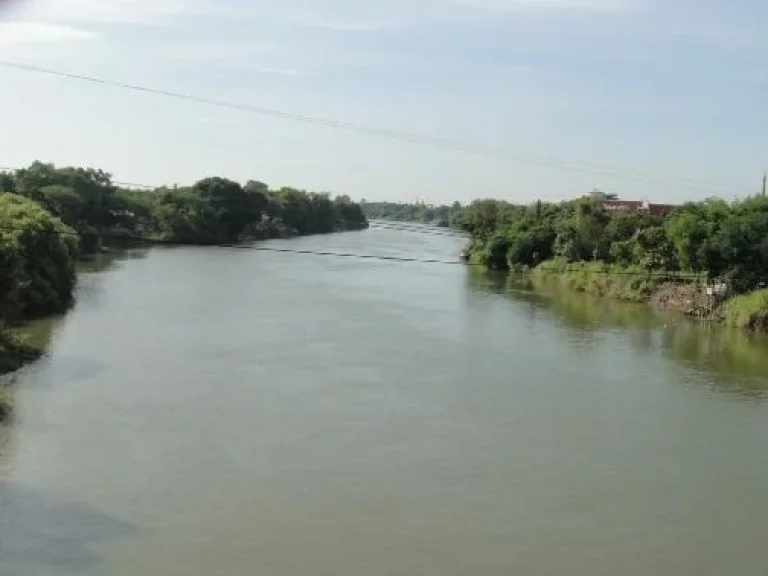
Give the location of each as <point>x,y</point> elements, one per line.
<point>444,216</point>
<point>49,216</point>
<point>722,239</point>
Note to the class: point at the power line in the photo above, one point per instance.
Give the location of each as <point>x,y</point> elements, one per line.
<point>256,248</point>
<point>438,142</point>
<point>668,275</point>
<point>346,255</point>
<point>657,274</point>
<point>157,241</point>
<point>415,230</point>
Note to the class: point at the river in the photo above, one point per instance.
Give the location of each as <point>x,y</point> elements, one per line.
<point>229,411</point>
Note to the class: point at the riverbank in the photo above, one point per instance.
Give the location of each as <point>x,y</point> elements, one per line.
<point>685,294</point>
<point>419,350</point>
<point>6,403</point>
<point>597,278</point>
<point>13,356</point>
<point>675,291</point>
<point>749,311</point>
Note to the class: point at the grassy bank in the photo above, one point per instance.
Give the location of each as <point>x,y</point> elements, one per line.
<point>747,311</point>
<point>633,284</point>
<point>630,284</point>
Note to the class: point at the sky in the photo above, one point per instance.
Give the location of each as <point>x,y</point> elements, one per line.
<point>663,99</point>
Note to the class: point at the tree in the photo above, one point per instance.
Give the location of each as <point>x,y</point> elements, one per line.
<point>185,216</point>
<point>482,218</point>
<point>293,207</point>
<point>64,202</point>
<point>350,214</point>
<point>7,182</point>
<point>37,257</point>
<point>235,208</point>
<point>531,247</point>
<point>653,250</point>
<point>624,252</point>
<point>94,187</point>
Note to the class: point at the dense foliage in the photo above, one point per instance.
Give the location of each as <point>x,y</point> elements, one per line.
<point>727,240</point>
<point>37,260</point>
<point>212,211</point>
<point>49,214</point>
<point>216,210</point>
<point>437,215</point>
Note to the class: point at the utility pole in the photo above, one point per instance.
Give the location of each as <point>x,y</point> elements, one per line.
<point>765,178</point>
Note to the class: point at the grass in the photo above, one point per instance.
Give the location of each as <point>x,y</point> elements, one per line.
<point>634,284</point>
<point>747,311</point>
<point>630,284</point>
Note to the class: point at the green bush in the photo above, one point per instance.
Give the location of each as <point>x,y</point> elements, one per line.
<point>37,260</point>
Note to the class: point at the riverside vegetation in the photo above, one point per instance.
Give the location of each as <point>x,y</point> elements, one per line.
<point>50,217</point>
<point>631,256</point>
<point>627,256</point>
<point>443,216</point>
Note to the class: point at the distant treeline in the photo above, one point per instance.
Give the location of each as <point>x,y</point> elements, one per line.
<point>50,215</point>
<point>446,216</point>
<point>712,237</point>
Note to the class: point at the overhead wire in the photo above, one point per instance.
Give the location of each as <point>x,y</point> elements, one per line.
<point>436,232</point>
<point>387,258</point>
<point>256,248</point>
<point>676,276</point>
<point>433,141</point>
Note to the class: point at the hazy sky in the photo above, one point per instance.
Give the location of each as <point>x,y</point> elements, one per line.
<point>675,89</point>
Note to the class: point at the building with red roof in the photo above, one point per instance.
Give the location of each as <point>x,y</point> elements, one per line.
<point>610,203</point>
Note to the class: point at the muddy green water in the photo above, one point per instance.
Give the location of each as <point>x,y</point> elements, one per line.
<point>226,411</point>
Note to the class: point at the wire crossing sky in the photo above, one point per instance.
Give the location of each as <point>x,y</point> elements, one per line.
<point>405,137</point>
<point>540,98</point>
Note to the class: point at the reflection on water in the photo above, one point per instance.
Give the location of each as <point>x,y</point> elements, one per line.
<point>39,533</point>
<point>732,361</point>
<point>738,360</point>
<point>39,333</point>
<point>104,261</point>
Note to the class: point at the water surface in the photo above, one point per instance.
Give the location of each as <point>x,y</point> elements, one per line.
<point>225,411</point>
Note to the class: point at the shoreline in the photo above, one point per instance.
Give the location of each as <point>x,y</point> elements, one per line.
<point>15,355</point>
<point>678,293</point>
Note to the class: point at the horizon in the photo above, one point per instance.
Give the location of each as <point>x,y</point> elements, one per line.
<point>548,97</point>
<point>411,201</point>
